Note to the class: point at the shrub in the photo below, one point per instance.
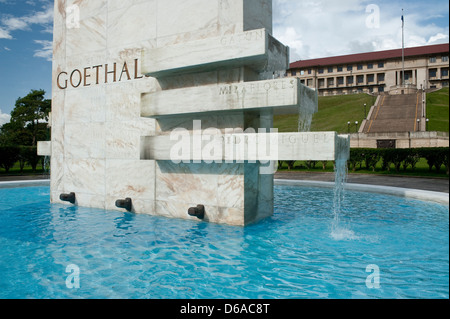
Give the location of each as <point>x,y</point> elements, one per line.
<point>356,157</point>
<point>9,155</point>
<point>31,157</point>
<point>371,158</point>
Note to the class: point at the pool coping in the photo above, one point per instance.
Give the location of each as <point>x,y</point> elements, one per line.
<point>25,183</point>
<point>438,197</point>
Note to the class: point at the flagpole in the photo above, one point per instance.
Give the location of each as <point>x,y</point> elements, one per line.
<point>403,49</point>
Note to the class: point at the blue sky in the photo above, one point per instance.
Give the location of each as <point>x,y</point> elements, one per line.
<point>312,29</point>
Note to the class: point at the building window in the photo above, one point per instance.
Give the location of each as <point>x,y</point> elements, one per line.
<point>349,67</point>
<point>330,69</point>
<point>293,72</point>
<point>433,59</point>
<point>360,79</point>
<point>445,58</point>
<point>370,78</point>
<point>340,80</point>
<point>302,72</point>
<point>309,71</point>
<point>432,73</point>
<point>331,82</point>
<point>370,66</point>
<point>349,79</point>
<point>321,83</point>
<point>339,68</point>
<point>320,71</point>
<point>444,72</point>
<point>359,67</point>
<point>381,89</point>
<point>381,65</point>
<point>310,83</point>
<point>380,77</point>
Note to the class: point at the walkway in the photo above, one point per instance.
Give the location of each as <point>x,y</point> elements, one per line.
<point>421,183</point>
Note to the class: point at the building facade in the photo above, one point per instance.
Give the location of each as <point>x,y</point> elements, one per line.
<point>376,72</point>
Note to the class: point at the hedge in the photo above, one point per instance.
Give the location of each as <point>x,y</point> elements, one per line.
<point>399,158</point>
<point>10,155</point>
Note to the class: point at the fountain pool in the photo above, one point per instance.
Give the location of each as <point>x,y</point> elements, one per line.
<point>299,252</point>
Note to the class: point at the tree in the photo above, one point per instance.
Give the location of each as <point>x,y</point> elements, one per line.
<point>28,120</point>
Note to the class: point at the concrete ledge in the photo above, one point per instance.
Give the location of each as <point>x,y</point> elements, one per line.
<point>437,197</point>
<point>16,184</point>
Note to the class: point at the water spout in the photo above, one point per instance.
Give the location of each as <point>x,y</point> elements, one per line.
<point>68,198</point>
<point>124,203</point>
<point>198,211</point>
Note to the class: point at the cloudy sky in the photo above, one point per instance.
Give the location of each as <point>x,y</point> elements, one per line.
<point>312,28</point>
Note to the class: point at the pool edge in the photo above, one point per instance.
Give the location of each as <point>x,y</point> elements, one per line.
<point>27,183</point>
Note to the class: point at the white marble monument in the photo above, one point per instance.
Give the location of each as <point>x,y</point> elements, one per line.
<point>169,104</point>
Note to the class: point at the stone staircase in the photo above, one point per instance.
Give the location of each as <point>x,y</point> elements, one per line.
<point>395,113</point>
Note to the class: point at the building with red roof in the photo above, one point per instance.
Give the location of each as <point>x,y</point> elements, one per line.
<point>376,72</point>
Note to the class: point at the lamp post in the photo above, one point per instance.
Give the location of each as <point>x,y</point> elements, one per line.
<point>356,126</point>
<point>423,107</point>
<point>427,120</point>
<point>365,111</point>
<point>418,126</point>
<point>348,127</point>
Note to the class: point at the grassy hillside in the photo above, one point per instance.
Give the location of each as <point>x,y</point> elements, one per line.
<point>437,110</point>
<point>334,113</point>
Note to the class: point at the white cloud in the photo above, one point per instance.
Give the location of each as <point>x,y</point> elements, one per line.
<point>322,28</point>
<point>4,118</point>
<point>46,51</point>
<point>4,34</point>
<point>43,18</point>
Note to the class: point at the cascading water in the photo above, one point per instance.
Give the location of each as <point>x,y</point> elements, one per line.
<point>46,166</point>
<point>339,231</point>
<point>308,106</point>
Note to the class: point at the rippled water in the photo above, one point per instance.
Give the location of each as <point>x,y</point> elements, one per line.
<point>294,254</point>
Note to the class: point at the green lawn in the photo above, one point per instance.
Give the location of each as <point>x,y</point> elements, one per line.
<point>437,110</point>
<point>15,170</point>
<point>333,115</point>
<point>336,111</point>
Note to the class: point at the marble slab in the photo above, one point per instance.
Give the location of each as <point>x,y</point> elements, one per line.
<point>182,146</point>
<point>44,148</point>
<point>249,48</point>
<point>282,95</point>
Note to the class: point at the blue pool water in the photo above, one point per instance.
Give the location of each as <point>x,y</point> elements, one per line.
<point>295,254</point>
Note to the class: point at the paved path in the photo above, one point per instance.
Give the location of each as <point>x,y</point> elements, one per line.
<point>421,183</point>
